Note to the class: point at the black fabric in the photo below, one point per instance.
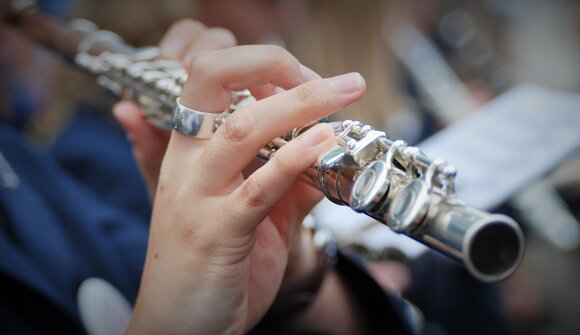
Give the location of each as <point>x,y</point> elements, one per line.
<point>26,311</point>
<point>450,297</point>
<point>383,313</point>
<point>58,229</point>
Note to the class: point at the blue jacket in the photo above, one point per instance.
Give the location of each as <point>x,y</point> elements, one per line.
<point>56,230</point>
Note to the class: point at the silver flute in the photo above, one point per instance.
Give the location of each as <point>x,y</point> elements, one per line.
<point>387,180</point>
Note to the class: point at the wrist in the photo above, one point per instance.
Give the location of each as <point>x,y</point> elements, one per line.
<point>310,263</point>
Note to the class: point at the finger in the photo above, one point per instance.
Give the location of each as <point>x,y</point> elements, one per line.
<point>308,74</point>
<point>262,92</point>
<point>180,37</point>
<point>247,130</point>
<point>214,75</point>
<point>149,143</point>
<point>293,208</point>
<point>211,39</point>
<point>255,198</point>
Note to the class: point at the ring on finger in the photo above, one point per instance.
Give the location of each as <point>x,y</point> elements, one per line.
<point>202,125</point>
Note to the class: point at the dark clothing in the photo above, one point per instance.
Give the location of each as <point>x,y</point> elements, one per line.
<point>451,299</point>
<point>95,151</point>
<point>78,213</point>
<point>55,233</point>
<point>384,314</point>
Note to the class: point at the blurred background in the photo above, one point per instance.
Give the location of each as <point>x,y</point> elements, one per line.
<point>428,64</point>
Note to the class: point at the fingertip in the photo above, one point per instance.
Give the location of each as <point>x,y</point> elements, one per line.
<point>125,110</point>
<point>179,37</point>
<point>347,84</point>
<point>119,111</point>
<point>213,39</point>
<point>358,80</point>
<point>317,134</point>
<point>313,137</point>
<point>171,48</point>
<point>172,45</point>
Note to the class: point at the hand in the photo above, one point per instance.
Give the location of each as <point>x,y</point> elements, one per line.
<point>219,243</point>
<point>183,40</point>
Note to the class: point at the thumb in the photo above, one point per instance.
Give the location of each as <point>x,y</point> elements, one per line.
<point>149,143</point>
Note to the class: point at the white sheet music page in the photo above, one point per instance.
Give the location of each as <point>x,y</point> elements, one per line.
<point>511,142</point>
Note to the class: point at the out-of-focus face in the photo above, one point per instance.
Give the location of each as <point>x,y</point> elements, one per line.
<point>252,21</point>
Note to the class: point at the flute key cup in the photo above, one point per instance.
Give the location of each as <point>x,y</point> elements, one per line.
<point>375,182</point>
<point>411,202</point>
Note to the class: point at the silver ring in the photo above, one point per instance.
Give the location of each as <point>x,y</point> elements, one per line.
<point>194,123</point>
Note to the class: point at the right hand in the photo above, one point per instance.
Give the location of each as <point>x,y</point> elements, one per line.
<point>219,243</point>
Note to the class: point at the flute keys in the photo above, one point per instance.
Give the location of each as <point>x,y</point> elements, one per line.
<point>370,187</point>
<point>411,203</point>
<point>146,53</point>
<point>409,207</point>
<point>150,77</point>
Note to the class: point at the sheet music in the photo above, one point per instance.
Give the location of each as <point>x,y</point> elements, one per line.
<point>512,141</point>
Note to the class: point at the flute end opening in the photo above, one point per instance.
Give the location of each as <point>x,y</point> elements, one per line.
<point>495,250</point>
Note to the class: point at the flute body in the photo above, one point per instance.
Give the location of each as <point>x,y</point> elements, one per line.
<point>390,181</point>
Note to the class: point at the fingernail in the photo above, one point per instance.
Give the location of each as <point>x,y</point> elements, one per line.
<point>308,74</point>
<point>122,109</point>
<point>118,110</point>
<point>279,90</point>
<point>316,135</point>
<point>346,83</point>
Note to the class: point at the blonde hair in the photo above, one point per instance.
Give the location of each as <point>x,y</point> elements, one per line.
<point>343,36</point>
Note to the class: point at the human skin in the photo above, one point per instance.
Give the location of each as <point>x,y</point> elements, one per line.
<point>219,242</point>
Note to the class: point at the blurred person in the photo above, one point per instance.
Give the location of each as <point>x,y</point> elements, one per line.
<point>54,231</point>
<point>346,34</point>
<point>254,21</point>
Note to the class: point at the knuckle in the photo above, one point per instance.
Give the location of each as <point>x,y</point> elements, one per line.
<point>305,96</point>
<point>283,166</point>
<point>237,127</point>
<point>291,61</point>
<point>253,193</point>
<point>198,66</point>
<point>277,51</point>
<point>281,57</point>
